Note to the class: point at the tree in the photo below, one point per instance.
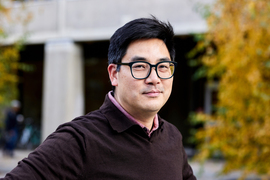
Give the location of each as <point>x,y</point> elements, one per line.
<point>9,56</point>
<point>236,51</point>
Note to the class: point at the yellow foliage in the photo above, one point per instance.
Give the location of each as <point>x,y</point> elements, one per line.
<point>9,60</point>
<point>237,52</point>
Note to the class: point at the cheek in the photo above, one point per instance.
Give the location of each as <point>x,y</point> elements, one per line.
<point>126,84</point>
<point>168,87</point>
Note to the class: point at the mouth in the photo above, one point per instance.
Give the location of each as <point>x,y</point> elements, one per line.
<point>152,93</point>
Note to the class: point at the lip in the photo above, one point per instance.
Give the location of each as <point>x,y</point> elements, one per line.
<point>152,93</point>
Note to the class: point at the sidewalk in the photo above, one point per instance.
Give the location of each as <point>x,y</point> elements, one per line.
<point>209,171</point>
<point>8,163</point>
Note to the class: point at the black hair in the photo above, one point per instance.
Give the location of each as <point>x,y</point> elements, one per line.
<point>143,28</point>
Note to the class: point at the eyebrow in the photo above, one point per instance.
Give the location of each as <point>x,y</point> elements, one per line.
<point>165,59</point>
<point>139,58</point>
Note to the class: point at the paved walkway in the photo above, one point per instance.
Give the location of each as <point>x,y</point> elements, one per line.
<point>209,171</point>
<point>7,163</point>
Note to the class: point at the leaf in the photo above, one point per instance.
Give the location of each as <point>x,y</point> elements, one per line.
<point>236,51</point>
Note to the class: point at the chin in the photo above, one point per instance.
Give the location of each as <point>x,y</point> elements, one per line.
<point>152,108</point>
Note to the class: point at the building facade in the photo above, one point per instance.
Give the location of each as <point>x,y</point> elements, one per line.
<point>67,42</point>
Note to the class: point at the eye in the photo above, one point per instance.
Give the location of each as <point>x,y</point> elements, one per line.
<point>164,66</point>
<point>139,66</point>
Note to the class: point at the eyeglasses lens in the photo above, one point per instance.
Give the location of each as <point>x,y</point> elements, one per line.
<point>141,70</point>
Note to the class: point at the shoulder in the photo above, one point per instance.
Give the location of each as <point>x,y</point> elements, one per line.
<point>76,132</point>
<point>170,129</point>
<point>85,125</point>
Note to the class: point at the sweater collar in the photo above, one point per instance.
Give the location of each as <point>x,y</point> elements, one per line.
<point>118,121</point>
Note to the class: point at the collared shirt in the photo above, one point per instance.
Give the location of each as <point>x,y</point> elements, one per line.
<point>155,122</point>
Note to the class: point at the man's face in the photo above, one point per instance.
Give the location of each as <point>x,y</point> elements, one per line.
<point>146,96</point>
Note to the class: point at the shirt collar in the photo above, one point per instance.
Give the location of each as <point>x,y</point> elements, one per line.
<point>118,112</point>
<point>118,121</point>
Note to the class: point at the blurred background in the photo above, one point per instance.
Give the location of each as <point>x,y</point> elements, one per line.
<point>53,61</point>
<point>65,52</point>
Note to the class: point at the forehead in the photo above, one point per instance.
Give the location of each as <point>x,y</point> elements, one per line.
<point>149,49</point>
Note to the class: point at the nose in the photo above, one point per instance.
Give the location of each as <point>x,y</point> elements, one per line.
<point>153,77</point>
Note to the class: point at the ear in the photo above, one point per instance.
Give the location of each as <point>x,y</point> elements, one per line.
<point>113,74</point>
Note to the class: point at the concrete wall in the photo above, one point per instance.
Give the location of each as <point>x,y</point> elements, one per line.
<point>62,24</point>
<point>87,20</point>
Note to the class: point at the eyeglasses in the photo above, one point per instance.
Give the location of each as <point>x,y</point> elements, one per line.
<point>142,69</point>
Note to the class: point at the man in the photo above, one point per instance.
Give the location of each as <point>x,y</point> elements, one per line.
<point>125,138</point>
<point>11,129</point>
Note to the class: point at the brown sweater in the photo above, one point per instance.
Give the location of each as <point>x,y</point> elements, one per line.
<point>104,144</point>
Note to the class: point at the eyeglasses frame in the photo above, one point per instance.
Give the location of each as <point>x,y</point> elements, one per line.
<point>151,66</point>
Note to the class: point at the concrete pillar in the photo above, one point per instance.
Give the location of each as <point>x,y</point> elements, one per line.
<point>63,97</point>
<point>208,99</point>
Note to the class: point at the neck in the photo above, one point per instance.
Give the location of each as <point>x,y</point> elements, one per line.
<point>147,122</point>
<point>144,117</point>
